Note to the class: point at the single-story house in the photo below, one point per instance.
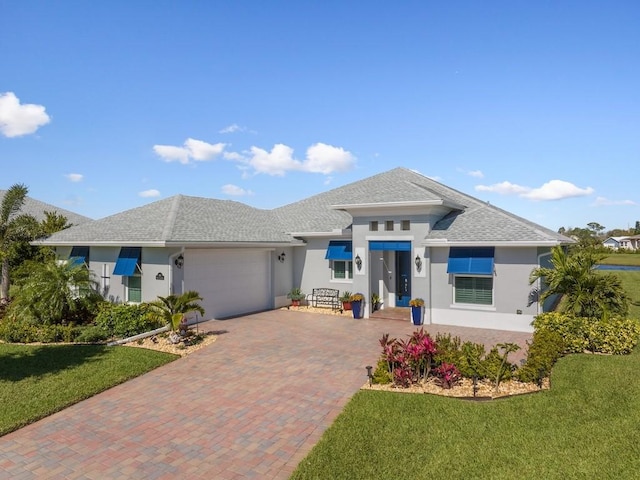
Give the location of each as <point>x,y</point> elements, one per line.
<point>398,234</point>
<point>628,243</point>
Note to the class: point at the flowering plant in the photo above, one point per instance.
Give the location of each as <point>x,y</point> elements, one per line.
<point>448,375</point>
<point>416,302</point>
<point>356,297</point>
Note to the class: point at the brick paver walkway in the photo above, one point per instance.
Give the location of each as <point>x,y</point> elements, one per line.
<point>251,405</point>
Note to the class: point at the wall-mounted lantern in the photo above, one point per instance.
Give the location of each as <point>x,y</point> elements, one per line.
<point>179,261</point>
<point>418,262</point>
<point>358,261</point>
<point>281,257</point>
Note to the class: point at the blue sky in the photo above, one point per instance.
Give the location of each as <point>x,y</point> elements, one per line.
<point>532,106</point>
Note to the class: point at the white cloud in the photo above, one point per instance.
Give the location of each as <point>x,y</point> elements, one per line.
<point>552,190</point>
<point>557,190</point>
<point>320,158</point>
<point>193,150</point>
<point>233,128</point>
<point>472,173</point>
<point>20,119</point>
<point>503,188</point>
<point>235,190</point>
<point>326,159</point>
<point>276,162</point>
<point>604,202</point>
<point>74,177</point>
<point>149,193</point>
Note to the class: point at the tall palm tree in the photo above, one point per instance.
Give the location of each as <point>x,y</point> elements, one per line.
<point>586,293</point>
<point>172,309</point>
<point>14,228</point>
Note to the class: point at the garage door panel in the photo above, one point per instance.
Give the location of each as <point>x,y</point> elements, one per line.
<point>231,282</point>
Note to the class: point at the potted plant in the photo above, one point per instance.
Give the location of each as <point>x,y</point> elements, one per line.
<point>375,301</point>
<point>346,300</point>
<point>356,300</point>
<point>417,310</point>
<point>295,295</point>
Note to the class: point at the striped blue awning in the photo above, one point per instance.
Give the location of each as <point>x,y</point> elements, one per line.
<point>396,246</point>
<point>339,250</point>
<point>79,256</point>
<point>471,260</point>
<point>127,262</point>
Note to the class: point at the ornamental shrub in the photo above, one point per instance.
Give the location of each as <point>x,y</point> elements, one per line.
<point>615,336</point>
<point>545,349</point>
<point>92,334</point>
<point>123,320</point>
<point>448,375</point>
<point>381,375</point>
<point>572,329</point>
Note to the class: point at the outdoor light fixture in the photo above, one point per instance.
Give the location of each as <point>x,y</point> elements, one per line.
<point>369,374</point>
<point>179,262</point>
<point>358,261</point>
<point>281,257</point>
<point>418,262</point>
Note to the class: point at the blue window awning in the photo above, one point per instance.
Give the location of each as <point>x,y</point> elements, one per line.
<point>79,256</point>
<point>397,246</point>
<point>471,260</point>
<point>339,250</point>
<point>127,262</point>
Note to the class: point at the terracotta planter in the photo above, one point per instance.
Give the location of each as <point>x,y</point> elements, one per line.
<point>346,305</point>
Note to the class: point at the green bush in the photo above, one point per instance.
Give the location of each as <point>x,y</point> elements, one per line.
<point>447,349</point>
<point>122,320</point>
<point>613,335</point>
<point>471,363</point>
<point>544,350</point>
<point>381,374</point>
<point>20,331</point>
<point>494,367</point>
<point>92,334</point>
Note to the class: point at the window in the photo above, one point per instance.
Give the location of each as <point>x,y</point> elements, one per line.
<point>405,225</point>
<point>79,256</point>
<point>134,289</point>
<point>373,226</point>
<point>473,290</point>
<point>388,225</point>
<point>341,270</point>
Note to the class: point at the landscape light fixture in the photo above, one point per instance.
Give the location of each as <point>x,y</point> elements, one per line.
<point>369,374</point>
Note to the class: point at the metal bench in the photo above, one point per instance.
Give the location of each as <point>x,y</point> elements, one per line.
<point>325,297</point>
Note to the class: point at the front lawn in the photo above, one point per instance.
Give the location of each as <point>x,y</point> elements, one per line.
<point>586,426</point>
<point>629,259</point>
<point>38,380</point>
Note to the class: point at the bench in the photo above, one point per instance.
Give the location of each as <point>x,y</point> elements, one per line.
<point>326,297</point>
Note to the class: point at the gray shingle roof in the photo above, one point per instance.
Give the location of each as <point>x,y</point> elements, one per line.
<point>183,219</point>
<point>36,208</point>
<point>180,219</point>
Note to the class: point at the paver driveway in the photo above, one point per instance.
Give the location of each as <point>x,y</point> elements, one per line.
<point>251,405</point>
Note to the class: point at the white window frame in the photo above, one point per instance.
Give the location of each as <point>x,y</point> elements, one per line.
<point>474,305</point>
<point>348,271</point>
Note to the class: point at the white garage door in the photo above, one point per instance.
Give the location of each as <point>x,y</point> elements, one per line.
<point>231,282</point>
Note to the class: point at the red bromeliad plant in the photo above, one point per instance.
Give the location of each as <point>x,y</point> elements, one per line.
<point>408,360</point>
<point>448,375</point>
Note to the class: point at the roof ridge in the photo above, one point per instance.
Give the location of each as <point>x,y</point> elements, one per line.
<point>171,217</point>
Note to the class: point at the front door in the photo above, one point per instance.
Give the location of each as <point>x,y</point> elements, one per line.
<point>403,278</point>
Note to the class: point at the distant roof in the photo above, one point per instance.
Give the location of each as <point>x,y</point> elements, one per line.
<point>37,208</point>
<point>192,220</point>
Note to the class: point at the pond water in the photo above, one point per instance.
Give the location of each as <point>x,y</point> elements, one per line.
<point>616,267</point>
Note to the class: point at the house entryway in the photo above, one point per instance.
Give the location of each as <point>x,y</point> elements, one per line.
<point>390,278</point>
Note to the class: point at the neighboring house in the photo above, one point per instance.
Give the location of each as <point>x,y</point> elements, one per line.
<point>37,209</point>
<point>398,234</point>
<point>627,243</point>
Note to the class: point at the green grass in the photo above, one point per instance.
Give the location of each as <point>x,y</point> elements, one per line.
<point>36,381</point>
<point>586,426</point>
<point>631,284</point>
<point>629,259</point>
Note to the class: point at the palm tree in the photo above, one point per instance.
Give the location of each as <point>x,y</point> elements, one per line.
<point>52,292</point>
<point>172,309</point>
<point>15,228</point>
<point>586,293</point>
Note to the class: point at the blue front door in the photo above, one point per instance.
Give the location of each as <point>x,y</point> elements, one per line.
<point>403,278</point>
